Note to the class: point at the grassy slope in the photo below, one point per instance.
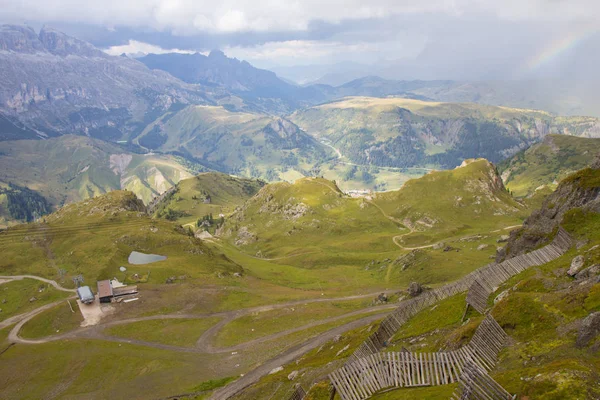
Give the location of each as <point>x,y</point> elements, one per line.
<point>225,192</point>
<point>357,125</point>
<point>95,237</point>
<point>348,251</point>
<point>72,168</point>
<point>311,216</point>
<point>177,332</point>
<point>235,142</point>
<point>541,314</point>
<point>450,203</point>
<point>548,162</point>
<point>15,296</point>
<point>59,319</point>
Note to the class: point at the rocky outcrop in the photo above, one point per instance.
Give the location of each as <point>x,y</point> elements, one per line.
<point>590,328</point>
<point>576,265</point>
<point>56,84</point>
<point>580,190</point>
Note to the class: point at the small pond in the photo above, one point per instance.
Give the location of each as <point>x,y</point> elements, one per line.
<point>138,258</point>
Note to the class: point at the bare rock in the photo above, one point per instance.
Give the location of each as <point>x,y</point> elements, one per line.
<point>293,375</point>
<point>438,246</point>
<point>588,272</point>
<point>501,296</point>
<point>482,247</point>
<point>31,300</point>
<point>590,327</point>
<point>576,265</point>
<point>245,237</point>
<point>415,289</point>
<point>503,239</point>
<point>275,370</point>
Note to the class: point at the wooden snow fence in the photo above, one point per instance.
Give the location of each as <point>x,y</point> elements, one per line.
<point>299,393</point>
<point>476,384</point>
<point>488,278</point>
<point>380,371</point>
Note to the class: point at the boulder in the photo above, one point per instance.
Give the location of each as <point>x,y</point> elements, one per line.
<point>576,265</point>
<point>501,296</point>
<point>503,239</point>
<point>482,247</point>
<point>203,235</point>
<point>415,289</point>
<point>293,375</point>
<point>590,327</point>
<point>275,370</point>
<point>438,246</point>
<point>382,298</point>
<point>588,272</point>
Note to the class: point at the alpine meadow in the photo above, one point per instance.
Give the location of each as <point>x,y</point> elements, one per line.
<point>338,200</point>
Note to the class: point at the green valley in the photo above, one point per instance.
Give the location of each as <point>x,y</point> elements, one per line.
<point>398,132</point>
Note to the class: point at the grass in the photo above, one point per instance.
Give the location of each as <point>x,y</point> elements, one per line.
<point>446,313</point>
<point>223,192</point>
<point>73,168</point>
<point>257,325</point>
<point>95,238</point>
<point>59,319</point>
<point>176,332</point>
<point>450,203</point>
<point>15,296</point>
<point>544,163</point>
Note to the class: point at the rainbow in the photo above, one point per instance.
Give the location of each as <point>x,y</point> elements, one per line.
<point>559,46</point>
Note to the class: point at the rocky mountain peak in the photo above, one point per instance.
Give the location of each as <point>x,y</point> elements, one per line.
<point>19,38</point>
<point>60,44</point>
<point>217,54</point>
<point>23,39</point>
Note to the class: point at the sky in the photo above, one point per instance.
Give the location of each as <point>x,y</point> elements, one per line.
<point>401,39</point>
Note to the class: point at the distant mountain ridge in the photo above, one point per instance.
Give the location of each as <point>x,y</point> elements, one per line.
<point>239,77</point>
<point>52,84</point>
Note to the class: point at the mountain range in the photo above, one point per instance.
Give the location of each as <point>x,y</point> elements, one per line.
<point>177,114</point>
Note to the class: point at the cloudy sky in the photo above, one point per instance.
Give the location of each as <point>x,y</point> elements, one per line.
<point>427,39</point>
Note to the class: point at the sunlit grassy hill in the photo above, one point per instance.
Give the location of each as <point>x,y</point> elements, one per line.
<point>73,168</point>
<point>313,215</point>
<point>469,198</point>
<point>205,194</point>
<point>546,163</point>
<point>95,237</point>
<point>252,145</point>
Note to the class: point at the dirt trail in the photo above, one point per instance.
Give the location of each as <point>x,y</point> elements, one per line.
<point>203,344</point>
<point>39,278</point>
<point>287,357</point>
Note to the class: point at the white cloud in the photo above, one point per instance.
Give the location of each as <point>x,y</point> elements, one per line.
<point>297,52</point>
<point>227,16</point>
<point>136,49</point>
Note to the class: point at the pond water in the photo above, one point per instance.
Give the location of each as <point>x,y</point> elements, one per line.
<point>138,258</point>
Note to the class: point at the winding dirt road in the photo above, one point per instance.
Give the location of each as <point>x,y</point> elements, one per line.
<point>39,278</point>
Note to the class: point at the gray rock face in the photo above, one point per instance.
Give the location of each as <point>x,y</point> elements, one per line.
<point>415,289</point>
<point>576,265</point>
<point>503,239</point>
<point>590,328</point>
<point>588,272</point>
<point>538,228</point>
<point>57,84</point>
